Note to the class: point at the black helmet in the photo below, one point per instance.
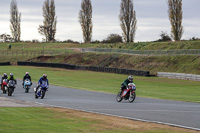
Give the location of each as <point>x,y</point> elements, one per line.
<point>4,74</point>
<point>130,78</point>
<point>44,76</point>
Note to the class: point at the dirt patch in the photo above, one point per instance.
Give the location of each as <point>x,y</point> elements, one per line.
<point>7,102</point>
<point>107,122</point>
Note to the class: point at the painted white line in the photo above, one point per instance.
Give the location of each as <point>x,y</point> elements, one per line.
<point>136,110</point>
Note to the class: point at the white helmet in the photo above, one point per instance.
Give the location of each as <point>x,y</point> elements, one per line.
<point>130,78</point>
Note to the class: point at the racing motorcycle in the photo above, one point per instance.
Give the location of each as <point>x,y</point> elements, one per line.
<point>40,92</point>
<point>127,94</point>
<point>11,87</point>
<point>4,86</point>
<point>27,85</point>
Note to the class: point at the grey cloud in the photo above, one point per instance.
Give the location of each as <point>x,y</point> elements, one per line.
<point>152,17</point>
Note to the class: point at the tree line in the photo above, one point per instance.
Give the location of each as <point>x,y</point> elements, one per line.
<point>127,17</point>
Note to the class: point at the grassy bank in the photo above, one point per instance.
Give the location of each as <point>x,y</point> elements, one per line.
<point>180,64</point>
<point>153,87</point>
<point>133,46</point>
<point>54,120</point>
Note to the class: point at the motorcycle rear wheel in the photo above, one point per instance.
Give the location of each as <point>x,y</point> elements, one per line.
<point>119,97</point>
<point>132,97</point>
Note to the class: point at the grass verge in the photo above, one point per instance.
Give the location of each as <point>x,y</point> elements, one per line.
<point>160,88</point>
<point>55,120</point>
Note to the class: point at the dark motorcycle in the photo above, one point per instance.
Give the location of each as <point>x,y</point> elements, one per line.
<point>127,94</point>
<point>40,92</point>
<point>11,87</point>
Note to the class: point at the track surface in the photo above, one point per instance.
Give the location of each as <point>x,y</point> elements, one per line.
<point>182,114</point>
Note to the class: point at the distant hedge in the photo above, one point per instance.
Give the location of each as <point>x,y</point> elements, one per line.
<point>88,68</point>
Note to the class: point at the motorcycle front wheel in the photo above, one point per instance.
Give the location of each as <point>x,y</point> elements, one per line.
<point>36,97</point>
<point>119,97</point>
<point>43,94</point>
<point>132,97</point>
<point>4,90</point>
<point>10,92</point>
<point>26,89</point>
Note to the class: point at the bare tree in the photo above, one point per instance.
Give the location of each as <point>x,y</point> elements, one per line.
<point>85,19</point>
<point>128,20</point>
<point>15,21</point>
<point>175,17</point>
<point>5,38</point>
<point>48,29</point>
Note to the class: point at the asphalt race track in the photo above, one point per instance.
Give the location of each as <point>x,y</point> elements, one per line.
<point>175,113</point>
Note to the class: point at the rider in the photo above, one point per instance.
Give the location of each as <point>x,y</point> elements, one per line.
<point>42,80</point>
<point>27,76</point>
<point>4,77</point>
<point>124,85</point>
<point>11,77</point>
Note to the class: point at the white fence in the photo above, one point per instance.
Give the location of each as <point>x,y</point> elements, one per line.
<point>183,76</point>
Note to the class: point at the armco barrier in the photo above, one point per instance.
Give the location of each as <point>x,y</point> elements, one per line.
<point>183,76</point>
<point>88,68</point>
<point>5,64</point>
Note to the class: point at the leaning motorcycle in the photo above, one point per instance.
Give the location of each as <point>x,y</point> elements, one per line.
<point>4,86</point>
<point>127,94</point>
<point>27,85</point>
<point>40,92</point>
<point>11,87</point>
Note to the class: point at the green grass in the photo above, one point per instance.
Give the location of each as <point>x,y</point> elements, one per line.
<point>155,45</point>
<point>160,88</point>
<point>43,120</point>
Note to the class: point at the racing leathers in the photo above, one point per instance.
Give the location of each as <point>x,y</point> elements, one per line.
<point>2,78</point>
<point>27,76</point>
<point>124,85</point>
<point>41,81</point>
<point>12,78</point>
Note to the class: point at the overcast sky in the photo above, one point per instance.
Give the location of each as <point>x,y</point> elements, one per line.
<point>152,17</point>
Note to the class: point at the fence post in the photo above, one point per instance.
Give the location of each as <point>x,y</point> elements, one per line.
<point>43,51</point>
<point>23,51</point>
<point>65,52</point>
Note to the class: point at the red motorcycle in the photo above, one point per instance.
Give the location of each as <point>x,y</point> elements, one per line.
<point>127,94</point>
<point>4,87</point>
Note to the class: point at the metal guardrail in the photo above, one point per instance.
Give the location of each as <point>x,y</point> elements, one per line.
<point>183,76</point>
<point>144,52</point>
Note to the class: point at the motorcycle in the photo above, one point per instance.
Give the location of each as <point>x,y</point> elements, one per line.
<point>11,87</point>
<point>40,92</point>
<point>127,94</point>
<point>27,85</point>
<point>4,86</point>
